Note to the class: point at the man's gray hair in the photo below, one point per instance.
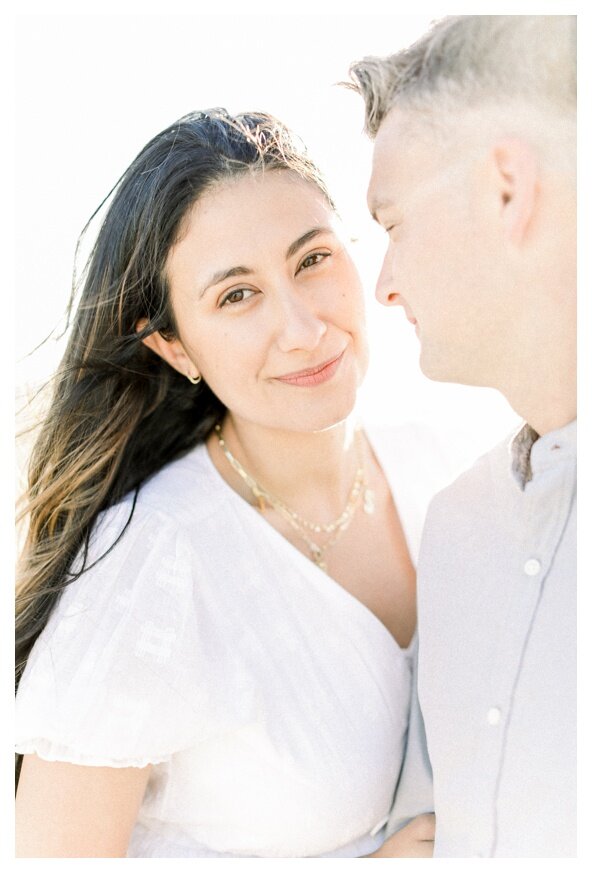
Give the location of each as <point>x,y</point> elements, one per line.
<point>472,61</point>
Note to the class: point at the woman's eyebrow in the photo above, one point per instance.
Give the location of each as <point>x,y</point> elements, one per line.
<point>228,273</point>
<point>306,237</point>
<point>221,275</point>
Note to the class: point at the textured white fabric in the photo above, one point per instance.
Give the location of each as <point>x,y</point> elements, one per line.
<point>272,703</point>
<point>497,652</point>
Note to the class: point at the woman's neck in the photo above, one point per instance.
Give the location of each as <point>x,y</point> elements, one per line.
<point>310,472</point>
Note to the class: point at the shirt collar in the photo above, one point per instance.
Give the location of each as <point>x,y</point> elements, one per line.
<point>531,453</point>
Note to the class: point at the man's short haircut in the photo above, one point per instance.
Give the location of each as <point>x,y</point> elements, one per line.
<point>470,61</point>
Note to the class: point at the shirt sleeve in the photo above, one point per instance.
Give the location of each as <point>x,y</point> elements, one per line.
<point>112,680</point>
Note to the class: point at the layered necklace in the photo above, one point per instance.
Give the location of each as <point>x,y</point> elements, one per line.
<point>359,493</point>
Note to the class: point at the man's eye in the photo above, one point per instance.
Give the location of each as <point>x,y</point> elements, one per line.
<point>237,295</point>
<point>311,260</point>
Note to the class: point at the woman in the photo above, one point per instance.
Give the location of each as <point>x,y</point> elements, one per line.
<point>216,608</point>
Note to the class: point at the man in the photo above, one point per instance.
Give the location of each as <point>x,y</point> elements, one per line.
<point>474,181</point>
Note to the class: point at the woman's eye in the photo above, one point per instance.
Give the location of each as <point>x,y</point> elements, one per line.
<point>238,295</point>
<point>311,260</point>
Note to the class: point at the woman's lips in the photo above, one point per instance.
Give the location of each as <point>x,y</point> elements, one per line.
<point>314,375</point>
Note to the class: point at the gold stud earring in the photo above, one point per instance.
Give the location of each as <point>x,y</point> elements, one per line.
<point>195,380</point>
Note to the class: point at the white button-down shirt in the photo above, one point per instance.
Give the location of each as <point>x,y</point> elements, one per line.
<point>497,651</point>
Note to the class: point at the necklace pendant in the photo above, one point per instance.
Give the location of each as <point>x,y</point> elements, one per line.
<point>369,502</point>
<point>259,498</point>
<point>318,559</point>
<point>317,556</point>
<point>264,500</point>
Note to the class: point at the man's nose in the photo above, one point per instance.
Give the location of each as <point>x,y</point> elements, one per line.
<point>385,286</point>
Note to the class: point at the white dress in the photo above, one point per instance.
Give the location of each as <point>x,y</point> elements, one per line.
<point>272,703</point>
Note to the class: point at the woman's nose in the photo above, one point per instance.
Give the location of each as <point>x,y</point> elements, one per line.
<point>300,326</point>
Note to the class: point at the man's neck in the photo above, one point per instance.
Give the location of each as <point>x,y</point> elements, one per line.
<point>536,369</point>
<point>545,395</point>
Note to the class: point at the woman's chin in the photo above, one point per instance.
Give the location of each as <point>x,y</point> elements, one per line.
<point>326,417</point>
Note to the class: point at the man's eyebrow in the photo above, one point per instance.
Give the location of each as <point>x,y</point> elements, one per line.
<point>306,237</point>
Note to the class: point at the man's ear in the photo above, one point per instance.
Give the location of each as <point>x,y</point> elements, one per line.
<point>172,351</point>
<point>516,173</point>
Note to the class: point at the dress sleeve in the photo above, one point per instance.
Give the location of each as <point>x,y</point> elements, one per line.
<point>112,680</point>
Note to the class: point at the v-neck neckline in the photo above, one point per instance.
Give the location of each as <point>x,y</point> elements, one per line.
<point>308,566</point>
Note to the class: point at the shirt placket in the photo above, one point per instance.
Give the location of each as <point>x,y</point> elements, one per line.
<point>541,514</point>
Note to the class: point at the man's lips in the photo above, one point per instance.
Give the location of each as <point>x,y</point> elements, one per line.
<point>409,317</point>
<point>313,375</point>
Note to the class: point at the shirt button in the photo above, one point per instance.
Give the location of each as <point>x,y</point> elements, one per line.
<point>532,567</point>
<point>494,715</point>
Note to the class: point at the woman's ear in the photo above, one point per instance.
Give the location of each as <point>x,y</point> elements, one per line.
<point>517,178</point>
<point>172,351</point>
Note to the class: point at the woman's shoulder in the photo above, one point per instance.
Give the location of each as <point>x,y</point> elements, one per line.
<point>184,490</point>
<point>414,450</point>
<point>175,499</point>
<point>145,545</point>
<point>417,464</point>
<point>119,647</point>
<point>411,436</point>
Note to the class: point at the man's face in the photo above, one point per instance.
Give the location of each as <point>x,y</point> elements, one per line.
<point>442,263</point>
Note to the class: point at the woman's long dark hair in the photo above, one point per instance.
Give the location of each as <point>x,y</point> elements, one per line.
<point>119,413</point>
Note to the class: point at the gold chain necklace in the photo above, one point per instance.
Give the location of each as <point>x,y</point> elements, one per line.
<point>358,491</point>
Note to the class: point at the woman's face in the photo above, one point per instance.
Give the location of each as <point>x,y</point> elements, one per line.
<point>268,303</point>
